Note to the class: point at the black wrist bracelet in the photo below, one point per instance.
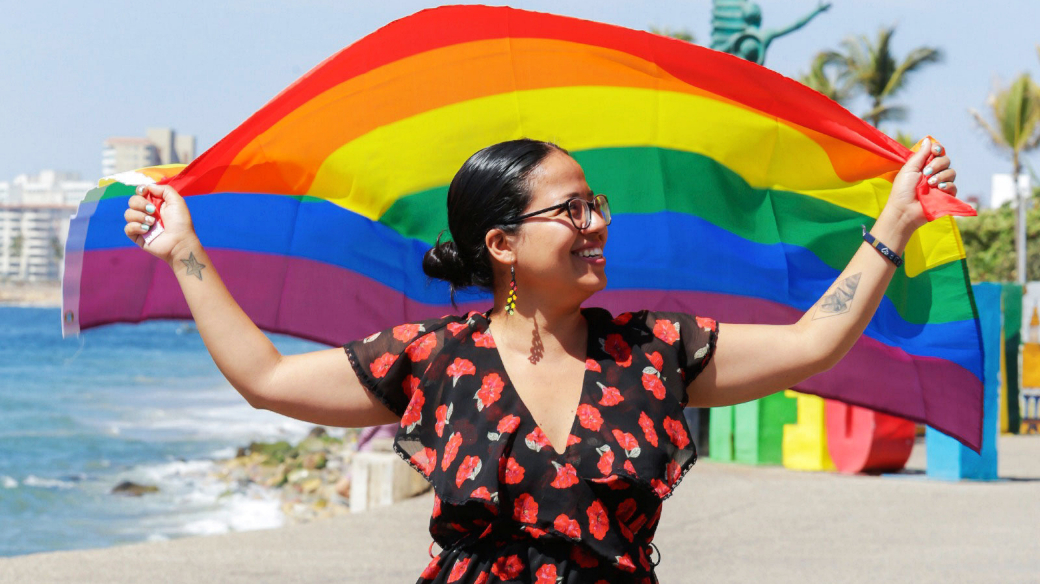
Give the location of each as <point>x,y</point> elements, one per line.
<point>885,251</point>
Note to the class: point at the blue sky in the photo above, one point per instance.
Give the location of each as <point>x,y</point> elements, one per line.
<point>75,73</point>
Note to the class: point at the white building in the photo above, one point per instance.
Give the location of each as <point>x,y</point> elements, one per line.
<point>159,146</point>
<point>34,223</point>
<point>1002,190</point>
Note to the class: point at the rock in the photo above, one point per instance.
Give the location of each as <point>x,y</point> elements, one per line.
<point>315,461</point>
<point>297,475</point>
<point>131,489</point>
<point>343,487</point>
<point>310,485</point>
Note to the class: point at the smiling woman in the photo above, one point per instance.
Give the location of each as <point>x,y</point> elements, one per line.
<point>551,432</point>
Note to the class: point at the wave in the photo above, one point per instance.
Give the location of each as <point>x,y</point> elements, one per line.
<point>35,481</point>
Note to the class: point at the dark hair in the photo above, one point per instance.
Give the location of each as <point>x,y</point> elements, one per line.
<point>488,191</point>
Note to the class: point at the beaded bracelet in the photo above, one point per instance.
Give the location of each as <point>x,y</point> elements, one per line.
<point>885,251</point>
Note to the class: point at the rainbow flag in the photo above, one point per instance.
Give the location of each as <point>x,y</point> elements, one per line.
<point>737,194</point>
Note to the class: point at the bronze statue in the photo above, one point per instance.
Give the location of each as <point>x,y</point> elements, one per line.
<point>735,28</point>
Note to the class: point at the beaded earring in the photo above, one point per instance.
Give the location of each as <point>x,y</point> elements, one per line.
<point>511,299</point>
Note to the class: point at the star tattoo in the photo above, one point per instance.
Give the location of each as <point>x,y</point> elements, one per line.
<point>839,301</point>
<point>194,267</point>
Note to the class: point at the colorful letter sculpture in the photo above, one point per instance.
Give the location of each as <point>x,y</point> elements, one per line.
<point>947,458</point>
<point>805,443</point>
<point>1010,416</point>
<point>862,440</point>
<point>752,432</point>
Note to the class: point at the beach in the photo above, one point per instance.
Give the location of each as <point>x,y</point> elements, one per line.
<point>725,523</point>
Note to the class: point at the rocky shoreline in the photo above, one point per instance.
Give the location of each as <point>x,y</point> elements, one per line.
<point>312,476</point>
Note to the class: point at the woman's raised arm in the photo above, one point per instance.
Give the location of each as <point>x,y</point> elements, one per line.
<point>319,386</point>
<point>752,361</point>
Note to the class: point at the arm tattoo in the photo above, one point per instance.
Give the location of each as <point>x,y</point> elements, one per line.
<point>194,267</point>
<point>839,300</point>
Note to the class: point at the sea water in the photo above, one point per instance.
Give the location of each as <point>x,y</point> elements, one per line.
<point>141,402</point>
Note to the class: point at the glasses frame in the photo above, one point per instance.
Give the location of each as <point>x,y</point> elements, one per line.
<point>566,204</point>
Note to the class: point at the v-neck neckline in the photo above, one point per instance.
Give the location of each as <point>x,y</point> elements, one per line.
<point>508,382</point>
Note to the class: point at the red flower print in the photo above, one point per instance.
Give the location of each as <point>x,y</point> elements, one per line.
<point>566,476</point>
<point>672,472</point>
<point>625,563</point>
<point>525,510</point>
<point>533,531</point>
<point>413,413</point>
<point>629,468</point>
<point>456,327</point>
<point>623,318</point>
<point>432,569</point>
<point>676,432</point>
<point>606,460</point>
<point>660,488</point>
<point>536,440</point>
<point>489,392</point>
<point>484,340</point>
<point>611,395</point>
<point>451,450</point>
<point>616,347</point>
<point>666,330</point>
<point>655,518</point>
<point>482,578</point>
<point>593,365</point>
<point>481,493</point>
<point>508,568</point>
<point>598,522</point>
<point>443,414</point>
<point>425,460</point>
<point>514,472</point>
<point>467,470</point>
<point>546,574</point>
<point>626,509</point>
<point>381,365</point>
<point>406,332</point>
<point>589,417</point>
<point>410,384</point>
<point>509,423</point>
<point>583,558</point>
<point>436,506</point>
<point>653,384</point>
<point>567,526</point>
<point>572,440</point>
<point>656,360</point>
<point>420,348</point>
<point>628,442</point>
<point>707,324</point>
<point>458,570</point>
<point>459,368</point>
<point>648,429</point>
<point>638,523</point>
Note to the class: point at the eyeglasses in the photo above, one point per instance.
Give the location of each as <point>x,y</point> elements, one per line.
<point>579,209</point>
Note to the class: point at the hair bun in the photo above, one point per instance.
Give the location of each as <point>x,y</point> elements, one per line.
<point>442,261</point>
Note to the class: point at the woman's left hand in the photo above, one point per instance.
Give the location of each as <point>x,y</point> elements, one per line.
<point>903,200</point>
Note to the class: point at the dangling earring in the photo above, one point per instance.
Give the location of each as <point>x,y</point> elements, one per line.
<point>511,299</point>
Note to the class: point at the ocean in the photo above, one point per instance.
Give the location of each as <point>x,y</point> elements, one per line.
<point>141,402</point>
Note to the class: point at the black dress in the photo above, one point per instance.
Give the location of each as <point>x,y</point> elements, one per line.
<point>507,506</point>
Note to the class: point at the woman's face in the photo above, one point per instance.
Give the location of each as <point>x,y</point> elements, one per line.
<point>551,253</point>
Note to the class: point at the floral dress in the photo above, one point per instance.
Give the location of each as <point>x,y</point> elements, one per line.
<point>507,506</point>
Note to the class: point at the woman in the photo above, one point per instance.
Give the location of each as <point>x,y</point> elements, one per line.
<point>551,433</point>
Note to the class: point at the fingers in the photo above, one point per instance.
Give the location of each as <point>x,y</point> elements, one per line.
<point>916,161</point>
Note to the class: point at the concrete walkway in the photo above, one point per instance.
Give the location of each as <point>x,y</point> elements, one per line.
<point>726,523</point>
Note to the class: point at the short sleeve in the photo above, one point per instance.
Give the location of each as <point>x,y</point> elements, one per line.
<point>390,363</point>
<point>696,337</point>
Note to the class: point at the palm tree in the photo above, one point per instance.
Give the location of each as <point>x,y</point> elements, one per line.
<point>871,68</point>
<point>1015,130</point>
<point>825,76</point>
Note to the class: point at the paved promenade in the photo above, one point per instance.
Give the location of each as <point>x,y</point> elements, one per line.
<point>726,523</point>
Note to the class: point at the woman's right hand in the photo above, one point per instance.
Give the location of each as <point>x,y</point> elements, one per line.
<point>176,219</point>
